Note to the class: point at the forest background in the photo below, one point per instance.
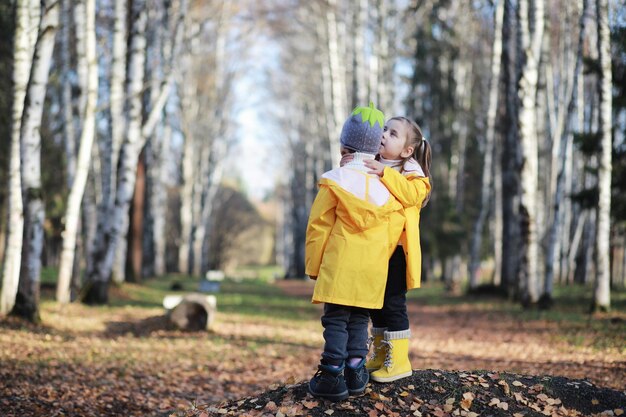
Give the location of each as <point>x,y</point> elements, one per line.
<point>141,139</point>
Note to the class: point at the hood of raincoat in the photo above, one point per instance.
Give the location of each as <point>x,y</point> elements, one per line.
<point>356,213</point>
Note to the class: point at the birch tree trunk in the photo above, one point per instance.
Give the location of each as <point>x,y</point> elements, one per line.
<point>155,203</point>
<point>327,95</point>
<point>27,299</point>
<point>602,292</point>
<point>337,75</point>
<point>359,87</point>
<point>22,58</point>
<point>72,214</point>
<point>531,44</point>
<point>112,245</point>
<point>553,251</point>
<point>486,181</point>
<point>189,110</point>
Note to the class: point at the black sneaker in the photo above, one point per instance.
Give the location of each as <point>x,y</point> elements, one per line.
<point>357,378</point>
<point>328,383</point>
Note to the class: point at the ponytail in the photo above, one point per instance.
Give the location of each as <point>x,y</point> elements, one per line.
<point>423,155</point>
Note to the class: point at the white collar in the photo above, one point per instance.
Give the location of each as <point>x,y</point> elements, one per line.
<point>358,161</point>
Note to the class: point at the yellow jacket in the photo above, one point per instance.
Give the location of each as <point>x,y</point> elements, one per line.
<point>348,245</point>
<point>410,191</point>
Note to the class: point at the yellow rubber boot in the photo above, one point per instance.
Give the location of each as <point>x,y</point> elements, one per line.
<point>379,349</point>
<point>397,364</point>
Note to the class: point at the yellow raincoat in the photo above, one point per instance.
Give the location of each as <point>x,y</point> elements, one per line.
<point>348,245</point>
<point>410,192</point>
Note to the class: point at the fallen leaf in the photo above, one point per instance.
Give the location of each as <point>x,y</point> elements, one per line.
<point>595,402</point>
<point>379,406</point>
<point>494,401</point>
<point>503,406</point>
<point>517,384</point>
<point>450,400</point>
<point>310,404</point>
<point>542,397</point>
<point>411,387</point>
<point>372,413</point>
<point>404,394</point>
<point>618,411</point>
<point>271,406</point>
<point>448,407</point>
<point>439,412</point>
<point>469,396</point>
<point>466,404</point>
<point>505,386</point>
<point>329,412</point>
<point>291,380</point>
<point>280,414</point>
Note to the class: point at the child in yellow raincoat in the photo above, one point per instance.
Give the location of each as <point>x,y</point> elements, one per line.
<point>404,167</point>
<point>354,226</point>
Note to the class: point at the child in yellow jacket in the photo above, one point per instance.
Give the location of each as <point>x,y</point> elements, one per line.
<point>354,226</point>
<point>404,167</point>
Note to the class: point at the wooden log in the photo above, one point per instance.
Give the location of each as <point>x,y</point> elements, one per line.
<point>191,311</point>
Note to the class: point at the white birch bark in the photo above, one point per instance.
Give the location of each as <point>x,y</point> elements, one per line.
<point>383,94</point>
<point>189,110</point>
<point>155,203</point>
<point>22,58</point>
<point>486,180</point>
<point>566,138</point>
<point>360,69</point>
<point>132,144</point>
<point>114,238</point>
<point>602,291</point>
<point>531,44</point>
<point>72,215</point>
<point>161,202</point>
<point>337,75</point>
<point>327,95</point>
<point>27,299</point>
<point>118,74</point>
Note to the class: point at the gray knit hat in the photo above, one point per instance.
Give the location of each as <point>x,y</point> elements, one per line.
<point>363,130</point>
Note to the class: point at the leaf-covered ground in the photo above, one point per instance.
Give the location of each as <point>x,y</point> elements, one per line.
<point>438,394</point>
<point>126,359</point>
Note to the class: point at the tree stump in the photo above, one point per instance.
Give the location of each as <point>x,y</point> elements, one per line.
<point>191,311</point>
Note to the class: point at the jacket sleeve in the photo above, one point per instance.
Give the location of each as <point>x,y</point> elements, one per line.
<point>321,222</point>
<point>410,191</point>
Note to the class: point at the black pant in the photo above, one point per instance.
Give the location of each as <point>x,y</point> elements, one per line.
<point>393,315</point>
<point>345,333</point>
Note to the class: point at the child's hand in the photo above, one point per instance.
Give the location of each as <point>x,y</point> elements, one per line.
<point>375,167</point>
<point>345,159</point>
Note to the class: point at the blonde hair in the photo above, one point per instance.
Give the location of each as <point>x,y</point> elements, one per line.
<point>422,152</point>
